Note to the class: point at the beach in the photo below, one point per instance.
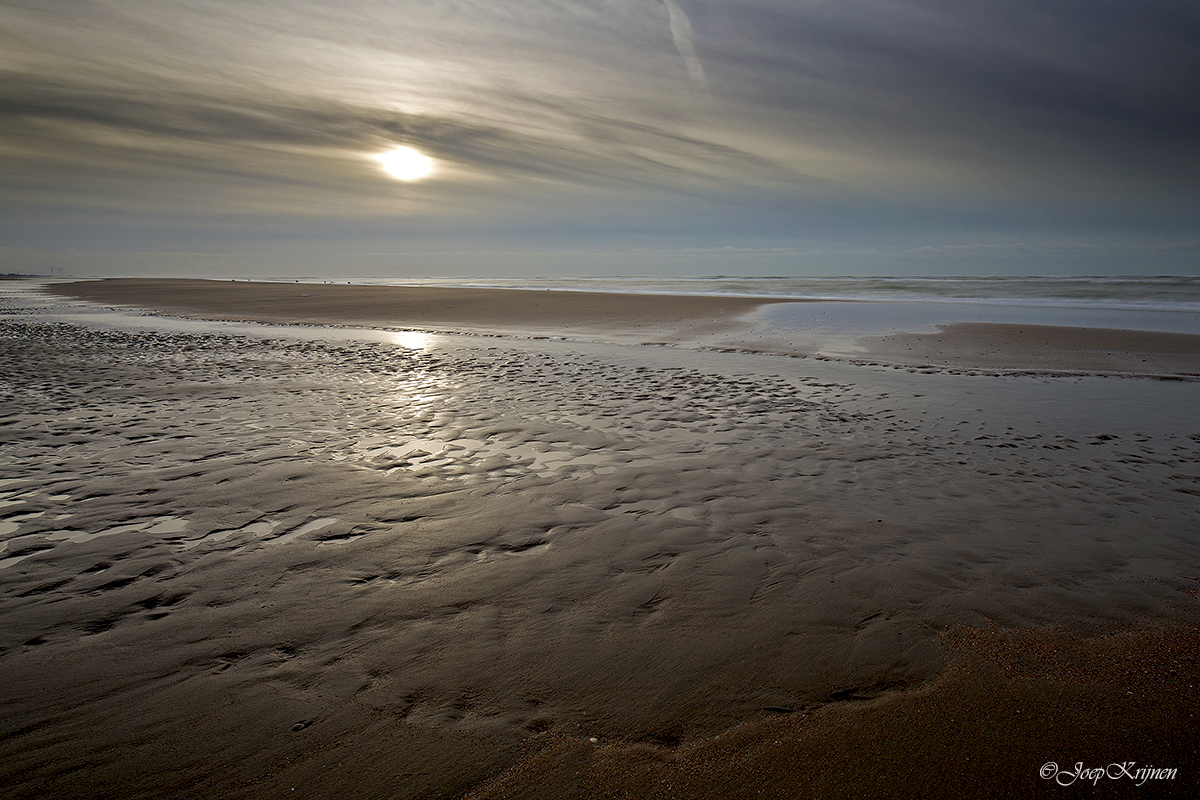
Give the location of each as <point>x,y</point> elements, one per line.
<point>458,542</point>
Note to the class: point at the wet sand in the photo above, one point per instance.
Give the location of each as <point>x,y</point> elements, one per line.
<point>253,566</point>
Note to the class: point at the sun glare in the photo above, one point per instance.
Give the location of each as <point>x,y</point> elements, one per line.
<point>405,163</point>
<point>413,340</point>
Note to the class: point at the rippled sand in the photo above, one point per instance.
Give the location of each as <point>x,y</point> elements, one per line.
<point>238,565</point>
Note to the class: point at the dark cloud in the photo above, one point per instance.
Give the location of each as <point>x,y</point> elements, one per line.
<point>1116,78</point>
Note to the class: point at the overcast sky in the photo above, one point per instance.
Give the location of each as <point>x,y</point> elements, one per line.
<point>762,137</point>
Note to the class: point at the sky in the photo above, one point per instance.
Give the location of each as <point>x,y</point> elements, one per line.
<point>606,137</point>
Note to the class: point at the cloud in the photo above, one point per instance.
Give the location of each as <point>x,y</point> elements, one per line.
<point>164,132</point>
<point>684,37</point>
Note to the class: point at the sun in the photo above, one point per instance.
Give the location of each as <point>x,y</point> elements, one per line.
<point>405,163</point>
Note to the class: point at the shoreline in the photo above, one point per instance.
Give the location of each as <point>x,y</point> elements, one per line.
<point>721,323</point>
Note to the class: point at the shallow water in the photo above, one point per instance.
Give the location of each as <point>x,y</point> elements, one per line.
<point>837,329</point>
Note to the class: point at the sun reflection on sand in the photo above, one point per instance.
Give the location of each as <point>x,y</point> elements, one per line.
<point>412,340</point>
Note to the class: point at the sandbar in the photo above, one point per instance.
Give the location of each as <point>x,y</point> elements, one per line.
<point>443,307</point>
<point>1041,347</point>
